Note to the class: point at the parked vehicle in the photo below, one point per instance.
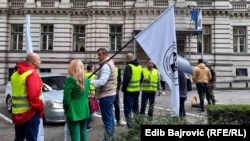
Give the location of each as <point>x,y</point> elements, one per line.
<point>52,93</point>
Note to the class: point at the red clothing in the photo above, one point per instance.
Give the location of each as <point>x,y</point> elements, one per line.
<point>34,90</point>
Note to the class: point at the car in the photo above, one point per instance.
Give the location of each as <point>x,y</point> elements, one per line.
<point>52,92</point>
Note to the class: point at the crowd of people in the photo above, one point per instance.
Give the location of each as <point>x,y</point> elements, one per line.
<point>105,86</point>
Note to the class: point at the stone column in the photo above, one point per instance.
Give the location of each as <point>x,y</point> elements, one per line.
<point>65,4</point>
<point>3,3</point>
<point>30,4</point>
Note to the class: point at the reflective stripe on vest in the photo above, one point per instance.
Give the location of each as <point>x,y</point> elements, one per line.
<point>152,76</point>
<point>134,83</point>
<point>20,102</point>
<point>92,87</point>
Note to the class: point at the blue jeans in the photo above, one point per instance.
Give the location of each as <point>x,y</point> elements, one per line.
<point>147,96</point>
<point>28,130</point>
<point>106,106</point>
<point>117,106</point>
<point>131,104</point>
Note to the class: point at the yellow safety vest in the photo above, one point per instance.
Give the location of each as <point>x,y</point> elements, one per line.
<point>20,102</point>
<point>92,87</point>
<point>134,84</point>
<point>153,77</point>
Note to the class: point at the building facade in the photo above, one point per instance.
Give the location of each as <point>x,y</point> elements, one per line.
<point>62,30</point>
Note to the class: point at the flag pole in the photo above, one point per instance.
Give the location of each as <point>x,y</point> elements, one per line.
<point>113,55</point>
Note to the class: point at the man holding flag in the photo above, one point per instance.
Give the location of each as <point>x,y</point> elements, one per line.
<point>159,42</point>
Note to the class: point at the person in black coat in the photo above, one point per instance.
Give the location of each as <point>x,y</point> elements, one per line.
<point>182,92</point>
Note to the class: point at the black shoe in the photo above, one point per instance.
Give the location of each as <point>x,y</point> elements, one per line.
<point>201,110</point>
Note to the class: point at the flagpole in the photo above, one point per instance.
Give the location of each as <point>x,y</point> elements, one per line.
<point>113,55</point>
<point>202,45</point>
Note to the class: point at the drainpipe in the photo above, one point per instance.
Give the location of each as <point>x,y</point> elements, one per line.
<point>214,16</point>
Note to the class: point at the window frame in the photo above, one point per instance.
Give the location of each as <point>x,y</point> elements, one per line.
<point>49,35</point>
<point>18,36</point>
<point>77,42</point>
<point>239,46</point>
<point>115,38</point>
<point>206,33</point>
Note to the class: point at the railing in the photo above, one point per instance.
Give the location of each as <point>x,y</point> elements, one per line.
<point>240,6</point>
<point>79,4</point>
<point>160,2</point>
<point>16,3</point>
<point>115,3</point>
<point>48,4</point>
<point>204,3</point>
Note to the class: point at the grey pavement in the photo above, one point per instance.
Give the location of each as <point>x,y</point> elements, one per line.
<point>56,132</point>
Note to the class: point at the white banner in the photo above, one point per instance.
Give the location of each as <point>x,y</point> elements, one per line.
<point>28,42</point>
<point>158,40</point>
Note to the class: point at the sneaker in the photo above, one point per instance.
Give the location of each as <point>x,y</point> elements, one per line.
<point>89,128</point>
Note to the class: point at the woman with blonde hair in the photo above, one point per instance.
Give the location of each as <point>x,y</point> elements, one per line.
<point>75,101</point>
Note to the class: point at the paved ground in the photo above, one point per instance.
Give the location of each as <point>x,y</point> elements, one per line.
<point>56,132</point>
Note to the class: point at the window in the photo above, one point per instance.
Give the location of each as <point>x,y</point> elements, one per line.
<point>47,37</point>
<point>79,38</point>
<point>241,72</point>
<point>115,34</point>
<point>206,40</point>
<point>45,70</point>
<point>239,39</point>
<point>11,71</point>
<point>16,37</point>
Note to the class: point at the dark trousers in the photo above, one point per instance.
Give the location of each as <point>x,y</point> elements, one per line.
<point>145,98</point>
<point>89,120</point>
<point>28,130</point>
<point>201,88</point>
<point>131,104</point>
<point>182,112</point>
<point>117,106</point>
<point>106,106</point>
<point>163,83</point>
<point>210,95</point>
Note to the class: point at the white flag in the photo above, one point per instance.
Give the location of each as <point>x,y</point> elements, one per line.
<point>199,20</point>
<point>28,42</point>
<point>158,40</point>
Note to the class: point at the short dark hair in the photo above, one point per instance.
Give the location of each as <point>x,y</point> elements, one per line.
<point>89,66</point>
<point>200,60</point>
<point>103,50</point>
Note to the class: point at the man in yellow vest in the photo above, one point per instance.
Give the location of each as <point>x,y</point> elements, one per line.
<point>150,85</point>
<point>27,104</point>
<point>117,98</point>
<point>131,88</point>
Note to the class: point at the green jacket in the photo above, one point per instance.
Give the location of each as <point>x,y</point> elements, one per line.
<point>75,102</point>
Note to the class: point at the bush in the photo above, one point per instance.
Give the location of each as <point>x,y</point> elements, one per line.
<point>234,114</point>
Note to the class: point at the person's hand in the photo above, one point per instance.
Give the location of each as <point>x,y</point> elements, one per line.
<point>92,94</point>
<point>213,85</point>
<point>41,113</point>
<point>145,79</point>
<point>159,92</point>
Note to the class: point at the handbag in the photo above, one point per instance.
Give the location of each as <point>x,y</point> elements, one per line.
<point>94,105</point>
